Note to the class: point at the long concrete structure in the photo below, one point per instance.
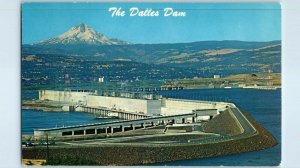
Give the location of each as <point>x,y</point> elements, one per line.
<point>163,106</point>
<point>117,126</point>
<point>90,99</point>
<point>140,113</point>
<point>105,112</point>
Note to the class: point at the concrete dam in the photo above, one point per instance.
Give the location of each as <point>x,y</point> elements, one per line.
<point>137,112</point>
<point>147,123</point>
<point>147,105</point>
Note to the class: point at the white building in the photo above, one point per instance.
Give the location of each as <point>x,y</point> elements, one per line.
<point>217,76</point>
<point>101,79</point>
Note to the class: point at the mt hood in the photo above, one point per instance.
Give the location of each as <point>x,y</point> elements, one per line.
<point>82,34</point>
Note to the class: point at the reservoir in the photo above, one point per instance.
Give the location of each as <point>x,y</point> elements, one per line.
<point>263,105</point>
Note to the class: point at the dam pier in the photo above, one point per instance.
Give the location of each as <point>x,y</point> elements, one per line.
<point>105,112</point>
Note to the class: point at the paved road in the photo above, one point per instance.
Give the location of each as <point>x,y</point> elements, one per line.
<point>246,124</point>
<point>247,127</point>
<point>123,140</point>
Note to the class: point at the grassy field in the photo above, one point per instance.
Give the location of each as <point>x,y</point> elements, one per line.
<point>233,80</point>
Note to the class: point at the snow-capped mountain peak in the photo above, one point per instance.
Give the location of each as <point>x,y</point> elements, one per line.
<point>82,34</point>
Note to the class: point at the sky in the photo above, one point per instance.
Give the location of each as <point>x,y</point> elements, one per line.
<point>203,21</point>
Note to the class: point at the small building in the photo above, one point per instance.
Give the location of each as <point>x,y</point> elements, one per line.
<point>101,79</point>
<point>217,76</point>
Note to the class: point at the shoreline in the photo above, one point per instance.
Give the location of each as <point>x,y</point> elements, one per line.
<point>42,105</point>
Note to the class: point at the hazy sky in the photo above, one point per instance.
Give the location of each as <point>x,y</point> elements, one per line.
<point>203,21</point>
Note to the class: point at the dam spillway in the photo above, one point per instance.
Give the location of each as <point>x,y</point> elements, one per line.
<point>146,106</point>
<point>135,113</point>
<point>105,112</point>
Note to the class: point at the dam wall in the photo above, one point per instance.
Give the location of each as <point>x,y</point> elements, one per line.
<point>164,106</point>
<point>63,96</point>
<point>144,106</point>
<point>125,104</point>
<point>182,106</point>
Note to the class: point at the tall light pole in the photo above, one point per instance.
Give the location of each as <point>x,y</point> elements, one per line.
<point>47,142</point>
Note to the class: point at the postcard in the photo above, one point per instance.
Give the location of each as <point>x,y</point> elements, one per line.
<point>177,84</point>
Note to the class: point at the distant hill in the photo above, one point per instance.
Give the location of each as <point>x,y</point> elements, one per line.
<point>225,57</point>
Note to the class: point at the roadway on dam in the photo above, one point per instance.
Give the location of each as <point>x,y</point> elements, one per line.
<point>145,122</point>
<point>208,138</point>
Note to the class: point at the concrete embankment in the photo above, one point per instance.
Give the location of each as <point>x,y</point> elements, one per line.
<point>137,155</point>
<point>223,123</point>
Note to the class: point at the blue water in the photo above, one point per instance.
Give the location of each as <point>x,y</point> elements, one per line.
<point>34,119</point>
<point>263,105</point>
